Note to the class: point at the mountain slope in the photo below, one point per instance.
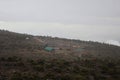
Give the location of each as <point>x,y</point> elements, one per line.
<point>28,46</point>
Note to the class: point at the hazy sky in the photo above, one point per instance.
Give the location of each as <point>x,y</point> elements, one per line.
<point>81,19</point>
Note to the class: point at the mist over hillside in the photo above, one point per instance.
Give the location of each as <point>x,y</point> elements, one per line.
<point>101,33</point>
<point>113,42</point>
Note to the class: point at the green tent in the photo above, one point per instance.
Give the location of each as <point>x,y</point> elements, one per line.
<point>49,49</point>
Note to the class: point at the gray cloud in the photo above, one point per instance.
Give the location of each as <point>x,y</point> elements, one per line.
<point>64,11</point>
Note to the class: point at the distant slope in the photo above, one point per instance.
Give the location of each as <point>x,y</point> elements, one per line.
<point>15,44</point>
<point>14,40</point>
<point>28,46</point>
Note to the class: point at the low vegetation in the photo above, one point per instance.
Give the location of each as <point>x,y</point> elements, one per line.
<point>13,68</point>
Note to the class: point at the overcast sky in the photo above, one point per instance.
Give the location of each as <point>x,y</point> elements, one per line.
<point>82,19</point>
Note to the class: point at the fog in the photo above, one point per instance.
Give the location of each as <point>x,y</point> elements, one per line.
<point>74,31</point>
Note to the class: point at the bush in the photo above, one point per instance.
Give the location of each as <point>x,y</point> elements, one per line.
<point>38,68</point>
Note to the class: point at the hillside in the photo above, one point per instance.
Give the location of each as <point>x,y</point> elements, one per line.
<point>24,57</point>
<point>22,44</point>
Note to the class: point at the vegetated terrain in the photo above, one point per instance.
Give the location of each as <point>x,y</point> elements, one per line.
<point>23,57</point>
